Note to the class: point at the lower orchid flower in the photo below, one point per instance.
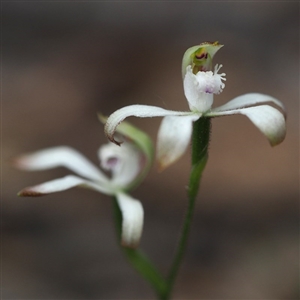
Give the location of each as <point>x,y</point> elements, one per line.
<point>200,84</point>
<point>125,164</point>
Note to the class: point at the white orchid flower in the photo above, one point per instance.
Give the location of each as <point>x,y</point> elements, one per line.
<point>125,165</point>
<point>200,85</point>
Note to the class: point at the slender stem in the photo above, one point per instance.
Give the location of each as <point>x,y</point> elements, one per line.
<point>200,142</point>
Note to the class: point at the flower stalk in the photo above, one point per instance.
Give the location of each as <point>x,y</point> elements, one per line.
<point>200,143</point>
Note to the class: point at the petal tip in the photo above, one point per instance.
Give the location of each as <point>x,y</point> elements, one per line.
<point>130,245</point>
<point>115,141</point>
<point>28,192</point>
<point>161,166</point>
<point>110,134</point>
<point>276,142</point>
<point>20,162</point>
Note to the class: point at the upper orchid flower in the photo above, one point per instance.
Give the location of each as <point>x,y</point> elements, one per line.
<point>200,84</point>
<point>127,165</point>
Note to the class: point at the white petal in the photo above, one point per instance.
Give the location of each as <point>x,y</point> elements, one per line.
<point>141,111</point>
<point>197,99</point>
<point>173,138</point>
<point>267,119</point>
<point>124,162</point>
<point>62,184</point>
<point>60,157</point>
<point>133,219</point>
<point>248,100</point>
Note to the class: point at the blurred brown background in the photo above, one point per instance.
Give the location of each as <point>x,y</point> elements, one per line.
<point>62,62</point>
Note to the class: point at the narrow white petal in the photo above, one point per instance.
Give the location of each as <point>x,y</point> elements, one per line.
<point>62,184</point>
<point>141,111</point>
<point>267,119</point>
<point>133,219</point>
<point>60,157</point>
<point>248,100</point>
<point>173,138</point>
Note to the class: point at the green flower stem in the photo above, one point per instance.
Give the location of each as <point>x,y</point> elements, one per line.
<point>200,142</point>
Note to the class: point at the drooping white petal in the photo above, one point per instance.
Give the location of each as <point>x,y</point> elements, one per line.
<point>133,219</point>
<point>267,119</point>
<point>141,111</point>
<point>60,157</point>
<point>124,162</point>
<point>62,184</point>
<point>173,138</point>
<point>248,100</point>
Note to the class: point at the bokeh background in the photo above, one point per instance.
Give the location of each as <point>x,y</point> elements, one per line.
<point>62,62</point>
